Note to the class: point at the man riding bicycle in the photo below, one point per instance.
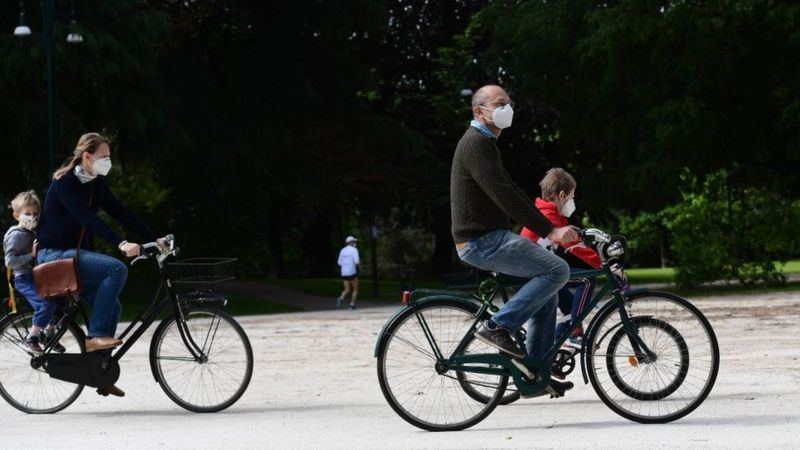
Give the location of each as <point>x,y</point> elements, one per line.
<point>482,197</point>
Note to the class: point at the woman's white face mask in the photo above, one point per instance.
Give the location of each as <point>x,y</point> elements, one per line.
<point>101,166</point>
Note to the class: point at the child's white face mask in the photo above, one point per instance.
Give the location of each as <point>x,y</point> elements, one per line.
<point>568,208</point>
<point>28,221</point>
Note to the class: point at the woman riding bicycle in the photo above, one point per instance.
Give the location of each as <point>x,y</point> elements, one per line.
<point>78,191</point>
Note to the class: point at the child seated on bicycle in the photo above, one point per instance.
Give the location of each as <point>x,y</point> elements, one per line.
<point>557,204</point>
<point>19,245</point>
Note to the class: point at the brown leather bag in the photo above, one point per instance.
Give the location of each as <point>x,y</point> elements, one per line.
<point>59,278</point>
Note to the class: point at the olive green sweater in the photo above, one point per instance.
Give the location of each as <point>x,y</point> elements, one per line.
<point>482,194</point>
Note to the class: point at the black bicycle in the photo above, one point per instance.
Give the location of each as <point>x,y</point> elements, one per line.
<point>199,355</point>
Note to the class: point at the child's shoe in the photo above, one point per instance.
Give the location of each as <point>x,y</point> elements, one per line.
<point>31,344</point>
<point>574,342</point>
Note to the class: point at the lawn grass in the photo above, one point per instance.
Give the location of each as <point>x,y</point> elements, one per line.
<point>650,275</point>
<point>389,290</point>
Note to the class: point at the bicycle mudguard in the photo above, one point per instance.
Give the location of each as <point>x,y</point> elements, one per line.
<point>590,330</point>
<point>90,369</point>
<point>424,296</point>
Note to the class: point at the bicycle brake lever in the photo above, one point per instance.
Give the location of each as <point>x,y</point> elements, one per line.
<point>137,259</point>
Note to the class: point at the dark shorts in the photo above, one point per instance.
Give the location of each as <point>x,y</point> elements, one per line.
<point>350,277</point>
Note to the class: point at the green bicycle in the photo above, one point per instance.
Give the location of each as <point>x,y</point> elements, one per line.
<point>652,357</point>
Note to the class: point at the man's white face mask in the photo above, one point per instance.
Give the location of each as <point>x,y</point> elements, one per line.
<point>502,116</point>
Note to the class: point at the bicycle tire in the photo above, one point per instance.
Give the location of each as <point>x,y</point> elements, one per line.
<point>30,389</point>
<point>406,368</point>
<point>659,315</point>
<point>618,378</point>
<point>194,385</point>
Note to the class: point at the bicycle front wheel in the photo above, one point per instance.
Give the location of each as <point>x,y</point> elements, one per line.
<point>660,389</point>
<point>26,386</point>
<point>215,380</point>
<point>428,398</point>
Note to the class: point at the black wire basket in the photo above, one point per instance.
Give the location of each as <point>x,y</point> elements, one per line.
<point>194,276</point>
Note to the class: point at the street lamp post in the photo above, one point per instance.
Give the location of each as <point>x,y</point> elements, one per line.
<point>47,19</point>
<point>22,30</point>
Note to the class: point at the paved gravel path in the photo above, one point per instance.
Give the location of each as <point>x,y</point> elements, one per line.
<point>315,386</point>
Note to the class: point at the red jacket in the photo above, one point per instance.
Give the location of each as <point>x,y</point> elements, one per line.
<point>577,248</point>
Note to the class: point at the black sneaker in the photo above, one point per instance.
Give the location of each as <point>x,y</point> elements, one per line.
<point>555,389</point>
<point>500,339</point>
<point>45,337</point>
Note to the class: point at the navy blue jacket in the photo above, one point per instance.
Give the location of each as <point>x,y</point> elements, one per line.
<point>66,210</point>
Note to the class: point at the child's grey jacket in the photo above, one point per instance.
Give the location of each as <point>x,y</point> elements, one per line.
<point>18,244</point>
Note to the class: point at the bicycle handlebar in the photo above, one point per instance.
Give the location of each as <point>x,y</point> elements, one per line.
<point>615,249</point>
<point>150,249</point>
<point>597,235</point>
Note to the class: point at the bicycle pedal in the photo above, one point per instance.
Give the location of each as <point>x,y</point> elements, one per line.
<point>554,393</point>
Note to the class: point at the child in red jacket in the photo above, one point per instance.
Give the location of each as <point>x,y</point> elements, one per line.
<point>557,204</point>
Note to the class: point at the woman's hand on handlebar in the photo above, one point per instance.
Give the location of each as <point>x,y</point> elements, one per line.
<point>163,244</point>
<point>563,234</point>
<point>130,249</point>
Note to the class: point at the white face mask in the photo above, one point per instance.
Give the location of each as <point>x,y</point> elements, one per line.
<point>502,116</point>
<point>28,221</point>
<point>568,208</point>
<point>101,166</point>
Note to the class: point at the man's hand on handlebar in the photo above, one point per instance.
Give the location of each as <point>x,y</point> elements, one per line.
<point>563,234</point>
<point>130,249</point>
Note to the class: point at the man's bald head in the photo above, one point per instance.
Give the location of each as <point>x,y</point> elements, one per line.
<point>485,101</point>
<point>488,94</point>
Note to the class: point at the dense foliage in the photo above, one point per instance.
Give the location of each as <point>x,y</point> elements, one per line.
<point>272,130</point>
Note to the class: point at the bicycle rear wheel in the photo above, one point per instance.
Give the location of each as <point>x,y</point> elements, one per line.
<point>671,385</point>
<point>481,387</point>
<point>27,388</point>
<point>407,369</point>
<point>220,377</point>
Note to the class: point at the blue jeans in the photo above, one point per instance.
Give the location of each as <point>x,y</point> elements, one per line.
<point>573,303</point>
<point>535,302</point>
<point>102,278</point>
<point>43,310</point>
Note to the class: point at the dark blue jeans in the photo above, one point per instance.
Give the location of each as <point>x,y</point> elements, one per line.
<point>572,304</point>
<point>102,278</point>
<point>535,302</point>
<point>43,310</point>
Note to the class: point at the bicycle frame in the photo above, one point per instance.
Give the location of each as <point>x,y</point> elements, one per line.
<point>146,318</point>
<point>507,366</point>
